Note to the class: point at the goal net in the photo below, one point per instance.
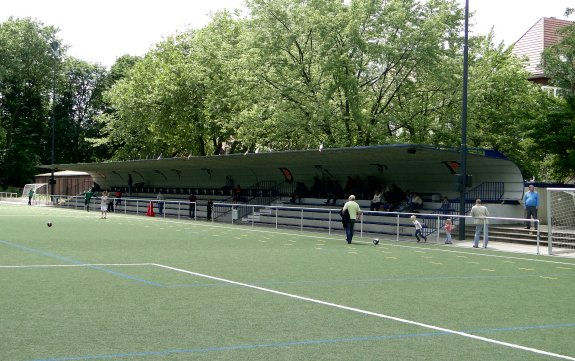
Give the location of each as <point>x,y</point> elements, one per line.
<point>561,220</point>
<point>40,192</point>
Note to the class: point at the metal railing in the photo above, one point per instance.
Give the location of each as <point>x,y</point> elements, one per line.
<point>9,195</point>
<point>372,223</point>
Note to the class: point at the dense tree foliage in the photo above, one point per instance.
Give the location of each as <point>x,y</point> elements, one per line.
<point>291,75</point>
<point>38,83</point>
<point>27,61</point>
<point>554,137</point>
<point>502,102</point>
<point>298,73</point>
<point>372,72</point>
<point>79,101</point>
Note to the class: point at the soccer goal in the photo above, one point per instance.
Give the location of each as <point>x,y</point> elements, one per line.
<point>40,192</point>
<point>561,220</point>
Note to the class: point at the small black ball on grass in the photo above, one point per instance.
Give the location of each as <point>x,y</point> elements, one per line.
<point>375,242</point>
<point>49,224</point>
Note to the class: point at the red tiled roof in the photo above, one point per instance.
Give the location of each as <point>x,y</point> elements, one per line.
<point>540,36</point>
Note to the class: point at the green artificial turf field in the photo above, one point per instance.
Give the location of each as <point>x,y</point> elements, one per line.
<point>139,288</point>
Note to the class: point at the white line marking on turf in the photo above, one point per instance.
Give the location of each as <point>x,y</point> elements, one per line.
<point>77,265</point>
<point>369,313</point>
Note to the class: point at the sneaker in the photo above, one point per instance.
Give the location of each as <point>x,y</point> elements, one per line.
<point>475,246</point>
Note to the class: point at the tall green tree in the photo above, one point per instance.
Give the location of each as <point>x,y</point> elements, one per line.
<point>501,101</point>
<point>27,63</point>
<point>296,73</point>
<point>364,73</point>
<point>180,98</point>
<point>153,103</point>
<point>79,103</point>
<point>554,136</point>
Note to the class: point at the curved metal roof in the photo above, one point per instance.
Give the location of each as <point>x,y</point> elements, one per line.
<point>420,168</point>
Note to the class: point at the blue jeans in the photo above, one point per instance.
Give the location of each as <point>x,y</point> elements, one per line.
<point>349,230</point>
<point>531,212</point>
<point>478,229</point>
<point>418,232</point>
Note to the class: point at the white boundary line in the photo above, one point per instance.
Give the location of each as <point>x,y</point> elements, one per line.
<point>78,265</point>
<point>369,313</point>
<point>313,300</point>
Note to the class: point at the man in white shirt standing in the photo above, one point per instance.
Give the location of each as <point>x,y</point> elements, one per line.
<point>480,213</point>
<point>354,214</point>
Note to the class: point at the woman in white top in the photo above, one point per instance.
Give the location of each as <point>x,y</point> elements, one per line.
<point>376,201</point>
<point>104,204</point>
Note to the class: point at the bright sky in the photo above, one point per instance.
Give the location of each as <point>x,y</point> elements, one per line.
<point>101,31</point>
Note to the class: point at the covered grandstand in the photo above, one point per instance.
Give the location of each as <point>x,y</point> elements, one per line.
<point>424,169</point>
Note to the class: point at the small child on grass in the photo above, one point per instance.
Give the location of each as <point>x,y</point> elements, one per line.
<point>418,229</point>
<point>448,228</point>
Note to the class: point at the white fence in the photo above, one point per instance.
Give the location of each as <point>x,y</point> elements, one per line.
<point>394,225</point>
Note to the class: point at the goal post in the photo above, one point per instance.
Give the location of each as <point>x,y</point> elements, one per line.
<point>40,191</point>
<point>561,220</point>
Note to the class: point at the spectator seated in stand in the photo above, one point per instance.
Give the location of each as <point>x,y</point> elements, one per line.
<point>295,197</point>
<point>376,202</point>
<point>229,186</point>
<point>118,197</point>
<point>415,202</point>
<point>317,187</point>
<point>330,192</point>
<point>299,192</point>
<point>238,194</point>
<point>445,206</point>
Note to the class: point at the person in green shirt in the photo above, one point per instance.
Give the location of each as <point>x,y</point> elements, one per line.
<point>30,195</point>
<point>87,197</point>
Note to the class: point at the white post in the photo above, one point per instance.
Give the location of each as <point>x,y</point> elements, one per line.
<point>549,224</point>
<point>438,227</point>
<point>538,225</point>
<point>397,229</point>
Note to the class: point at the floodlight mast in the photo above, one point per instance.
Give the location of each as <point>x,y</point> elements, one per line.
<point>462,179</point>
<point>55,51</point>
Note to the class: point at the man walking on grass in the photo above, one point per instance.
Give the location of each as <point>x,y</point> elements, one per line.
<point>354,214</point>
